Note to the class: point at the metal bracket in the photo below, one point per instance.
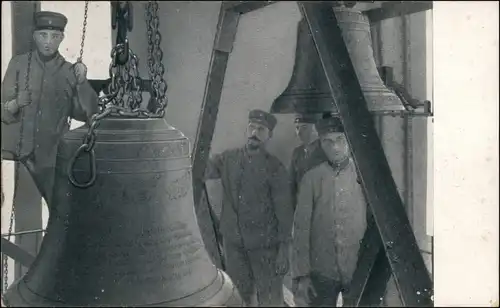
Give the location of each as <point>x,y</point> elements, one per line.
<point>411,104</point>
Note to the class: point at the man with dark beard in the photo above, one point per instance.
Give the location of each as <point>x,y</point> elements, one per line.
<point>257,214</point>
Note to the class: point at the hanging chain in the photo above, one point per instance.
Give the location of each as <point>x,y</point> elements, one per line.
<point>84,30</point>
<point>125,90</point>
<point>17,167</point>
<point>82,44</point>
<point>155,59</point>
<point>125,81</point>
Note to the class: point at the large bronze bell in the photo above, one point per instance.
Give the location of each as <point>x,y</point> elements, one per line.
<point>308,91</point>
<point>132,238</point>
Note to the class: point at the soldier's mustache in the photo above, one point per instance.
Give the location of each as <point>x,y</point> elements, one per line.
<point>254,138</point>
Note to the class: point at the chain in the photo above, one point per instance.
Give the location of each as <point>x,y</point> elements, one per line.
<point>82,43</point>
<point>125,91</point>
<point>84,30</point>
<point>17,168</point>
<point>155,58</point>
<point>125,80</point>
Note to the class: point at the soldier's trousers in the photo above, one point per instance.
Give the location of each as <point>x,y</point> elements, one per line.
<point>254,274</point>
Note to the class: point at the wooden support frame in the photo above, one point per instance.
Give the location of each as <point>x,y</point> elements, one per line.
<point>399,252</point>
<point>402,253</point>
<point>378,259</point>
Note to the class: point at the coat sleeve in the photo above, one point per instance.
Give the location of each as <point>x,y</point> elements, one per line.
<point>85,102</point>
<point>214,167</point>
<point>9,91</point>
<point>302,228</point>
<point>282,201</point>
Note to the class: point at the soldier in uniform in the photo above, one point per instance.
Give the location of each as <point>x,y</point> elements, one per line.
<point>309,153</point>
<point>330,221</point>
<point>257,214</point>
<point>56,90</point>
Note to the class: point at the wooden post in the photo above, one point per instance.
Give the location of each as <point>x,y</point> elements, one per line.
<point>27,200</point>
<point>223,45</point>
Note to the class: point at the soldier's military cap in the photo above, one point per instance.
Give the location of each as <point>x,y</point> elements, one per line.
<point>262,117</point>
<point>46,20</point>
<point>307,118</point>
<point>329,124</point>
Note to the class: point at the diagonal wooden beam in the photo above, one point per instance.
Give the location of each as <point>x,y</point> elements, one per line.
<point>369,252</point>
<point>17,253</point>
<point>406,262</point>
<point>223,45</point>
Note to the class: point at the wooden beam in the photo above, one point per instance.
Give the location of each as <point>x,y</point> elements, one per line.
<point>227,27</point>
<point>401,250</point>
<point>27,201</point>
<point>223,44</point>
<point>376,284</point>
<point>397,8</point>
<point>22,25</point>
<point>17,253</point>
<point>370,250</point>
<point>243,7</point>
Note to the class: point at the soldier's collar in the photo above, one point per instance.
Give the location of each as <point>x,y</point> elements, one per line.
<point>340,165</point>
<point>53,60</point>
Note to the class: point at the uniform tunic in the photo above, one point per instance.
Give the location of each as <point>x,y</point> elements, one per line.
<point>256,217</point>
<point>330,222</point>
<point>55,96</point>
<point>304,158</point>
<point>256,207</point>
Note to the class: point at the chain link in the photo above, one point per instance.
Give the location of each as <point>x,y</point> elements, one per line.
<point>82,43</point>
<point>155,59</point>
<point>84,30</point>
<point>124,98</point>
<point>125,80</point>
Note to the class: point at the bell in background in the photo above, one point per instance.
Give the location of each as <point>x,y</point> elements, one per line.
<point>308,90</point>
<point>132,238</point>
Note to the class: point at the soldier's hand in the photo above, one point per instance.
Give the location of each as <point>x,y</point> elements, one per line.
<point>23,99</point>
<point>80,71</point>
<point>282,262</point>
